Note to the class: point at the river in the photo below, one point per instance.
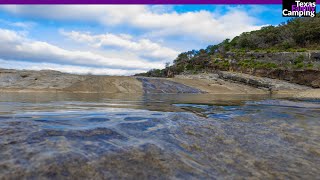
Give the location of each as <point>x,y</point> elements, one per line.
<point>158,136</point>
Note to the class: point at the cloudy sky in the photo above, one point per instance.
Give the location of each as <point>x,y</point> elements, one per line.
<point>118,40</point>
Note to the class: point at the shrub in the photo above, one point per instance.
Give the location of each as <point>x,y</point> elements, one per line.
<point>302,50</point>
<point>298,66</point>
<point>309,65</point>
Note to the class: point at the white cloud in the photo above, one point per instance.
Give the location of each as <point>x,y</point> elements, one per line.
<point>107,13</point>
<point>154,28</point>
<point>203,25</point>
<point>17,46</point>
<point>143,47</point>
<point>22,25</point>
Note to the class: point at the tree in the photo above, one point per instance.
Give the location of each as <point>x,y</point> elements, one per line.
<point>167,65</point>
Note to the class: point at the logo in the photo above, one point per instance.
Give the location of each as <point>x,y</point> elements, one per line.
<point>299,8</point>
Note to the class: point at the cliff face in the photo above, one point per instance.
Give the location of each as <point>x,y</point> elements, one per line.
<point>280,58</point>
<point>306,77</point>
<point>296,67</point>
<point>303,77</point>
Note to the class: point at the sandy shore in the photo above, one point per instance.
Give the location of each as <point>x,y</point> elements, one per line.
<point>308,94</point>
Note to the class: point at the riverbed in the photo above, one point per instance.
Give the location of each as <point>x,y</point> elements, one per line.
<point>158,136</point>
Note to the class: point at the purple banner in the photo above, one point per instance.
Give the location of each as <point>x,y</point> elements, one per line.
<point>142,1</point>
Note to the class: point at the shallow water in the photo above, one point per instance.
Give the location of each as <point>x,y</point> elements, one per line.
<point>173,136</point>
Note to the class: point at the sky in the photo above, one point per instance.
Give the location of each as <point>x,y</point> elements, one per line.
<point>118,39</point>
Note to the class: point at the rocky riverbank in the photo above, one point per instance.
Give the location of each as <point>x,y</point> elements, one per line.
<point>221,82</point>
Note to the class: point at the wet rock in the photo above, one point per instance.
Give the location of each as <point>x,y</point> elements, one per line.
<point>92,134</point>
<point>157,85</point>
<point>266,139</point>
<point>5,117</point>
<point>98,119</point>
<point>139,126</point>
<point>135,118</point>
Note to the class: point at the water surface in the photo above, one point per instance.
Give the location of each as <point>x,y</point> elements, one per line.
<point>173,136</point>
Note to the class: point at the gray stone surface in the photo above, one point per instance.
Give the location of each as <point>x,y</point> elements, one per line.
<point>261,82</point>
<point>46,79</point>
<point>157,85</point>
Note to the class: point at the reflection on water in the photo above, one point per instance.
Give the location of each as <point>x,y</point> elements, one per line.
<point>100,136</point>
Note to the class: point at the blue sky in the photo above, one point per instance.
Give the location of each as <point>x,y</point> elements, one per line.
<point>119,40</point>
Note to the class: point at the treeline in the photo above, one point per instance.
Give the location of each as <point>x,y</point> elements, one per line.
<point>295,35</point>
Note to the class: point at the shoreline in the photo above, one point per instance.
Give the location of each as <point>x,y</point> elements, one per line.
<point>222,82</point>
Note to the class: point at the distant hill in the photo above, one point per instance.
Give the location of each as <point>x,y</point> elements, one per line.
<point>260,49</point>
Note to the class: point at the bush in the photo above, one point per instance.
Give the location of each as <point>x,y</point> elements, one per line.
<point>309,65</point>
<point>256,64</point>
<point>298,66</point>
<point>298,62</point>
<point>302,50</point>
